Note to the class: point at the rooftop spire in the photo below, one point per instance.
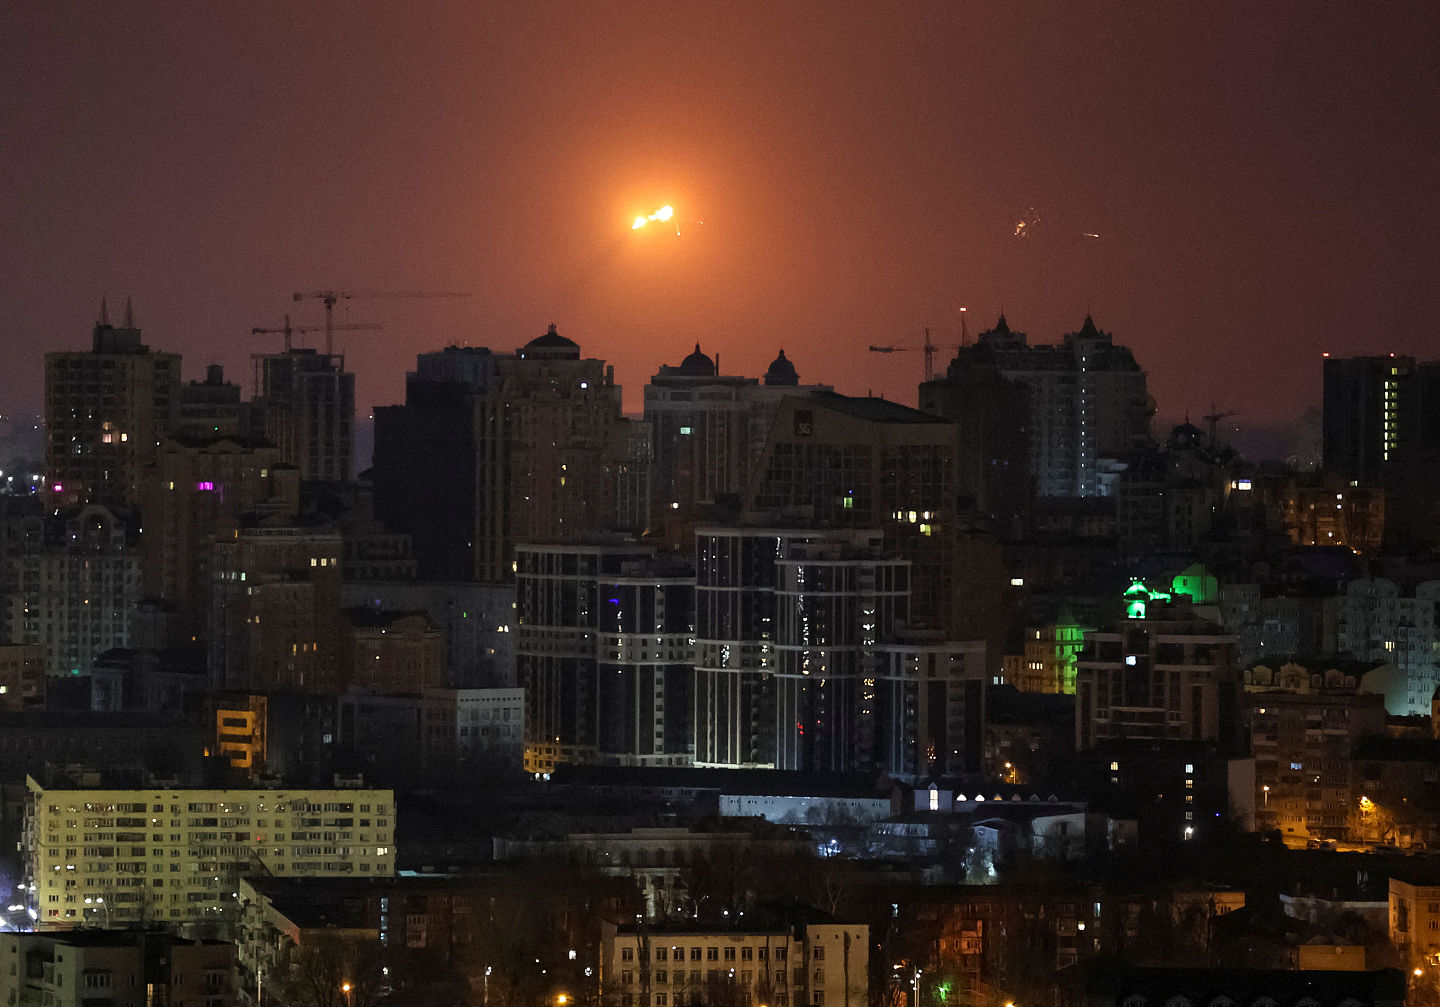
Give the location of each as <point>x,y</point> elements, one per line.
<point>104,312</point>
<point>129,314</point>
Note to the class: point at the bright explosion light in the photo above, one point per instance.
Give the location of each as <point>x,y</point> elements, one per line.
<point>662,214</point>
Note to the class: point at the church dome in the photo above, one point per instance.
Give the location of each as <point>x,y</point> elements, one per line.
<point>782,372</point>
<point>697,364</point>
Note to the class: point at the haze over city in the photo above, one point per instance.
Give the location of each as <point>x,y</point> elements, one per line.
<point>1230,189</point>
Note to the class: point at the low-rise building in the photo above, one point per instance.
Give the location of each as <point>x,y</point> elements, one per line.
<point>22,676</point>
<point>83,968</point>
<point>1415,916</point>
<point>806,959</point>
<point>1395,792</point>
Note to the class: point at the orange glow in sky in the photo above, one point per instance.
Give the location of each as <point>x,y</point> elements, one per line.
<point>662,214</point>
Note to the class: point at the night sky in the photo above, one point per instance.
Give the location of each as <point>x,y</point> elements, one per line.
<point>1263,183</point>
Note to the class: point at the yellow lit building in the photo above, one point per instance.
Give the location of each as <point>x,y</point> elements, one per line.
<point>111,857</point>
<point>1048,662</point>
<point>1415,920</point>
<point>816,962</point>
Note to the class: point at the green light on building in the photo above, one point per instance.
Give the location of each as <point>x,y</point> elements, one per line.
<point>1138,597</point>
<point>1197,584</point>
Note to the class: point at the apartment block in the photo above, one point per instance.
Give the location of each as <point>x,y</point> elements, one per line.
<point>22,677</point>
<point>73,579</point>
<point>306,408</point>
<point>494,449</point>
<point>1304,726</point>
<point>133,856</point>
<point>1376,619</point>
<point>86,968</point>
<point>709,430</point>
<point>1415,917</point>
<point>1087,402</point>
<point>1165,672</point>
<point>105,411</point>
<point>604,654</point>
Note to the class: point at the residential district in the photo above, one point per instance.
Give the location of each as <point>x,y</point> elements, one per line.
<point>770,696</point>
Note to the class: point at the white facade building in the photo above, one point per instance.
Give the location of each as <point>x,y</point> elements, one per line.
<point>821,964</point>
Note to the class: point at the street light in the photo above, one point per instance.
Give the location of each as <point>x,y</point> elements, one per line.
<point>349,992</point>
<point>1266,791</point>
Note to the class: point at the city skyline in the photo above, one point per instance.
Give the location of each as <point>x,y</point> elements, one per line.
<point>1252,177</point>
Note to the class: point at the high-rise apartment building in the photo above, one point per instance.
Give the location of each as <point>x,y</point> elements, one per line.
<point>73,583</point>
<point>603,653</point>
<point>306,408</point>
<point>1162,673</point>
<point>1374,619</point>
<point>195,484</point>
<point>105,412</point>
<point>1305,718</point>
<point>1370,410</point>
<point>802,660</point>
<point>1087,402</point>
<point>841,462</point>
<point>213,406</point>
<point>991,414</point>
<point>438,459</point>
<point>275,616</point>
<point>709,431</point>
<point>157,854</point>
<point>494,449</point>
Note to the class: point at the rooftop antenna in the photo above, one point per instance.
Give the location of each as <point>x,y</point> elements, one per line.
<point>129,314</point>
<point>104,312</point>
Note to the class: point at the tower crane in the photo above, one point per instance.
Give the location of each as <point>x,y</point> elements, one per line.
<point>928,348</point>
<point>289,330</point>
<point>329,297</point>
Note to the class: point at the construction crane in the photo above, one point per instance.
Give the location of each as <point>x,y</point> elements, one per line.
<point>1213,417</point>
<point>329,297</point>
<point>928,348</point>
<point>289,330</point>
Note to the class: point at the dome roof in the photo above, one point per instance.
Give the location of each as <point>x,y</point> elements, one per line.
<point>782,372</point>
<point>552,344</point>
<point>697,364</point>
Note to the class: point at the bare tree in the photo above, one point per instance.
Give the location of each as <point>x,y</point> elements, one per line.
<point>333,972</point>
